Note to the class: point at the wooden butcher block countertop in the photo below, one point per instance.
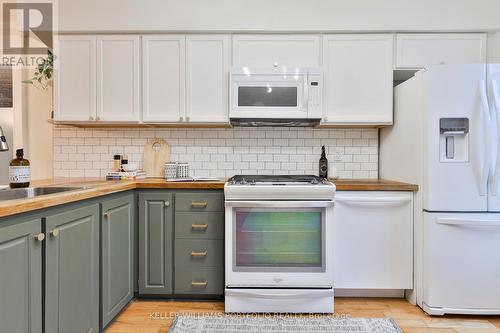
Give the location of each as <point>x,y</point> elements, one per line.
<point>95,187</point>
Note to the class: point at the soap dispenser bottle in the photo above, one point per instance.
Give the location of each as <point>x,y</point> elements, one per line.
<point>19,171</point>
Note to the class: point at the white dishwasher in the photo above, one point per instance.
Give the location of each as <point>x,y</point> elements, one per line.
<point>373,240</point>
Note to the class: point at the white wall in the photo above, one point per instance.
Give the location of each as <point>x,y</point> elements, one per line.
<point>278,15</point>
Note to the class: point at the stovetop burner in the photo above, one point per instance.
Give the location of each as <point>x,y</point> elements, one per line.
<point>277,180</point>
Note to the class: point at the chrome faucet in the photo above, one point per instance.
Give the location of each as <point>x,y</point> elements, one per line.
<point>3,141</point>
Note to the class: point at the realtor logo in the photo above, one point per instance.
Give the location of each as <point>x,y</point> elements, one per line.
<point>27,27</point>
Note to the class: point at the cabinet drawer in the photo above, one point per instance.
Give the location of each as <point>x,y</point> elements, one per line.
<point>199,280</point>
<point>199,202</point>
<point>199,252</point>
<point>209,225</point>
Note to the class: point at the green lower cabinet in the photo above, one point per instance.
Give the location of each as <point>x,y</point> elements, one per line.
<point>21,277</point>
<point>72,270</point>
<point>155,242</point>
<point>117,255</point>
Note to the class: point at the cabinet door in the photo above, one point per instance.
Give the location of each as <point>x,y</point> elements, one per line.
<point>421,50</point>
<point>155,243</point>
<point>163,78</point>
<point>72,271</point>
<point>75,68</point>
<point>117,226</point>
<point>118,78</point>
<point>358,79</point>
<point>207,76</point>
<point>373,240</point>
<point>21,278</point>
<point>276,50</point>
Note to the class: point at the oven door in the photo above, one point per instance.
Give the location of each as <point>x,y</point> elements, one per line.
<point>285,244</point>
<point>268,96</point>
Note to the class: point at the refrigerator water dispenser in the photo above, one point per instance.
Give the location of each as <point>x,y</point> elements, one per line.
<point>454,140</point>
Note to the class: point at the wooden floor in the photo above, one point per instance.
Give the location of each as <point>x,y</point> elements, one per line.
<point>144,316</point>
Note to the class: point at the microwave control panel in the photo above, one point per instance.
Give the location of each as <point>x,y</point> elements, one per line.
<point>314,95</point>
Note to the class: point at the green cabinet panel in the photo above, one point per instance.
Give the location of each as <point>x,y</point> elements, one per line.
<point>155,242</point>
<point>72,270</point>
<point>208,225</point>
<point>21,277</point>
<point>117,255</point>
<point>194,201</point>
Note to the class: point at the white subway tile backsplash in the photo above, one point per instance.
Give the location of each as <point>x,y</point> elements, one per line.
<point>222,152</point>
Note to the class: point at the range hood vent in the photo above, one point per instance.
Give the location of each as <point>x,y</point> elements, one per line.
<point>275,122</point>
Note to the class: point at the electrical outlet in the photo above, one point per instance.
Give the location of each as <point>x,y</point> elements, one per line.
<point>337,158</point>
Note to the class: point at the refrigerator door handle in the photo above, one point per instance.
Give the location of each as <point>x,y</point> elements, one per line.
<point>496,147</point>
<point>486,167</point>
<point>468,222</point>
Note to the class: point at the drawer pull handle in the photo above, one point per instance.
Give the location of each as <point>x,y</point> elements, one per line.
<point>199,253</point>
<point>199,204</point>
<point>199,226</point>
<point>199,284</point>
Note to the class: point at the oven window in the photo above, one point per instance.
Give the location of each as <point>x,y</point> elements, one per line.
<point>288,238</point>
<point>267,96</point>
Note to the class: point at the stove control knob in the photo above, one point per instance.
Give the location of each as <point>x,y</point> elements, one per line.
<point>314,181</point>
<point>243,181</point>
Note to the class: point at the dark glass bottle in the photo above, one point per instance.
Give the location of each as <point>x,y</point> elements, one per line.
<point>19,171</point>
<point>323,164</point>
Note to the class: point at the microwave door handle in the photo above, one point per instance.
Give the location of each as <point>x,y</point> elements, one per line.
<point>306,93</point>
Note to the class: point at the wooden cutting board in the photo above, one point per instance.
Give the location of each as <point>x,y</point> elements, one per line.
<point>155,156</point>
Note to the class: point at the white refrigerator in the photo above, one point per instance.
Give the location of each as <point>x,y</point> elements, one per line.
<point>446,139</point>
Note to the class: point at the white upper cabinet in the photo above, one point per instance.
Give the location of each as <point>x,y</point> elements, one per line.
<point>118,81</point>
<point>358,79</point>
<point>276,50</point>
<point>207,77</point>
<point>163,78</point>
<point>421,50</point>
<point>75,69</point>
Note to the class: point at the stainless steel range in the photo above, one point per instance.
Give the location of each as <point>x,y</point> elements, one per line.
<point>279,244</point>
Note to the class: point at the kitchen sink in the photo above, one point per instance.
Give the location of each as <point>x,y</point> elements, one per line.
<point>32,192</point>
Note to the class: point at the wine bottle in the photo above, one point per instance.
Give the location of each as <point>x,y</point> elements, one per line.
<point>323,164</point>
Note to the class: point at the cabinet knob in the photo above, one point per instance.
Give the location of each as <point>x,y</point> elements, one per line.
<point>167,203</point>
<point>187,118</point>
<point>54,232</point>
<point>97,118</point>
<point>40,237</point>
<point>325,118</point>
<point>275,64</point>
<point>181,118</point>
<point>91,118</point>
<point>106,215</point>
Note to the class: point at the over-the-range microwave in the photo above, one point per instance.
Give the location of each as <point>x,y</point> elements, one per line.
<point>276,96</point>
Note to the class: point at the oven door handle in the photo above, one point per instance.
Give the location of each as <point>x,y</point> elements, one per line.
<point>279,204</point>
<point>279,294</point>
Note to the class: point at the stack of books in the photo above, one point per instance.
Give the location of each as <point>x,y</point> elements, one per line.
<point>132,175</point>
